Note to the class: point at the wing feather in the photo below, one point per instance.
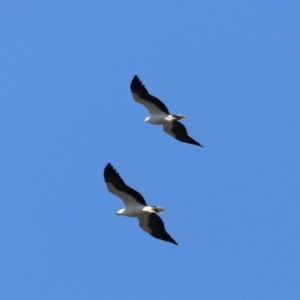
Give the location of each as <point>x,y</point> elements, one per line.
<point>141,95</point>
<point>154,225</point>
<point>117,186</point>
<point>179,132</point>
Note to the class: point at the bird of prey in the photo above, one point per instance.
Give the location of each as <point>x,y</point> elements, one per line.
<point>136,206</point>
<point>159,113</point>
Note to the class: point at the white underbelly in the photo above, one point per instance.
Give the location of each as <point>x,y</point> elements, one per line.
<point>134,211</point>
<point>158,119</point>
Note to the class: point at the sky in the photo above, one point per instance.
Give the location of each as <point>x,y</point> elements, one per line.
<point>232,67</point>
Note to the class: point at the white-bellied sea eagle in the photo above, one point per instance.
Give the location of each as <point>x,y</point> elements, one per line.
<point>136,206</point>
<point>159,113</point>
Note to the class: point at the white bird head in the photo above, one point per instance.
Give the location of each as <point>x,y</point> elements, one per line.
<point>147,120</point>
<point>120,212</point>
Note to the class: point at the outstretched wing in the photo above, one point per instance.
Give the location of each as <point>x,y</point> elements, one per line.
<point>141,95</point>
<point>154,225</point>
<point>179,132</point>
<point>117,186</point>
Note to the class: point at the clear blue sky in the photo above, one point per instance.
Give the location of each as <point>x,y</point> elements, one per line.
<point>232,67</point>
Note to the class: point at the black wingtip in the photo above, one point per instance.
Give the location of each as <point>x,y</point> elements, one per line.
<point>135,82</point>
<point>108,168</point>
<point>138,87</point>
<point>110,172</point>
<point>164,237</point>
<point>193,142</point>
<point>188,140</point>
<point>171,240</point>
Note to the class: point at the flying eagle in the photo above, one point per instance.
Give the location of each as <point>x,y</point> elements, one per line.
<point>136,206</point>
<point>159,113</point>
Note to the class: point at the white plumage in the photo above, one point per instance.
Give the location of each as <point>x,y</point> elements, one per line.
<point>159,113</point>
<point>136,206</point>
